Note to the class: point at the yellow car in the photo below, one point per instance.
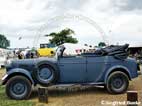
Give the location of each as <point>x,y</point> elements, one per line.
<point>46,50</point>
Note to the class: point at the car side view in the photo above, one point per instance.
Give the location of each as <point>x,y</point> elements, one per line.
<point>110,67</point>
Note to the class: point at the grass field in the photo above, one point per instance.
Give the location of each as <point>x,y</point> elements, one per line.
<point>84,96</point>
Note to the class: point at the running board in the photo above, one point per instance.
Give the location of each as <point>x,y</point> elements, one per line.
<point>81,84</point>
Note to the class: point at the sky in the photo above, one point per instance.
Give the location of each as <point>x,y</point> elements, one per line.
<point>111,21</point>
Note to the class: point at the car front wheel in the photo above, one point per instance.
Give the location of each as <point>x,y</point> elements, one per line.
<point>18,87</point>
<point>117,82</point>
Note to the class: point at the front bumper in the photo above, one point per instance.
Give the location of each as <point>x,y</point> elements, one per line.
<point>4,79</point>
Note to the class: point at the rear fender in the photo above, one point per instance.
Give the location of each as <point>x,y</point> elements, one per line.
<point>114,68</point>
<point>17,71</point>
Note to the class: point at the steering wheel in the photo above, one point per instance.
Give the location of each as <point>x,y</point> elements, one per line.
<point>103,51</point>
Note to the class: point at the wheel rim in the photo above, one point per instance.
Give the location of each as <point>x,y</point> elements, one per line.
<point>45,74</point>
<point>18,89</point>
<point>117,82</point>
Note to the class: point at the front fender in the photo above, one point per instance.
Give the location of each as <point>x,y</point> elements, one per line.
<point>113,68</point>
<point>17,71</point>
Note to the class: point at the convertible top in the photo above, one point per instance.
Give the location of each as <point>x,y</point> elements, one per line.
<point>114,48</point>
<point>118,51</point>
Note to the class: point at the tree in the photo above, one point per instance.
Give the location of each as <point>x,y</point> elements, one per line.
<point>4,42</point>
<point>64,36</point>
<point>101,44</point>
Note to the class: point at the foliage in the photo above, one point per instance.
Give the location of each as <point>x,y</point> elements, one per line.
<point>4,42</point>
<point>101,44</point>
<point>64,36</point>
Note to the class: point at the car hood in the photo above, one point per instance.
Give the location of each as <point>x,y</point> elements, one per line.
<point>33,61</point>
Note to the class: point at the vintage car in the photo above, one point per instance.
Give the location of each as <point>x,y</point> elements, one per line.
<point>109,67</point>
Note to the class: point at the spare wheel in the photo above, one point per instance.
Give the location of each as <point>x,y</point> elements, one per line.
<point>45,74</point>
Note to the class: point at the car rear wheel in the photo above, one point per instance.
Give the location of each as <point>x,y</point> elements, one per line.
<point>45,75</point>
<point>117,82</point>
<point>18,87</point>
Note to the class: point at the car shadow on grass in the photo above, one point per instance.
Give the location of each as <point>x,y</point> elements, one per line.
<point>70,91</point>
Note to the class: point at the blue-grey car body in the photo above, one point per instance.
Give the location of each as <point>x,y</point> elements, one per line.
<point>74,69</point>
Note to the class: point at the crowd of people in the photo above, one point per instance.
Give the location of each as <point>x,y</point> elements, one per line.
<point>25,54</point>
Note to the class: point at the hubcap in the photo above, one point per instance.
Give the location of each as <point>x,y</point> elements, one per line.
<point>44,73</point>
<point>117,82</point>
<point>18,88</point>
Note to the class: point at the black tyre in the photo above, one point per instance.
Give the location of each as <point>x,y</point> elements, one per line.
<point>46,75</point>
<point>18,87</point>
<point>117,82</point>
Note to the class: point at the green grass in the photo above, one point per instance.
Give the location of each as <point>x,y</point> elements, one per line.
<point>5,101</point>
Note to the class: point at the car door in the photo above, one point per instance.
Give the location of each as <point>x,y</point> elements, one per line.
<point>72,69</point>
<point>95,67</point>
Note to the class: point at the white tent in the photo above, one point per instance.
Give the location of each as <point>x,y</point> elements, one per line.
<point>72,48</point>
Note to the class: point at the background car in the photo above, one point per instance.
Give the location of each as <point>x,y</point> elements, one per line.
<point>46,50</point>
